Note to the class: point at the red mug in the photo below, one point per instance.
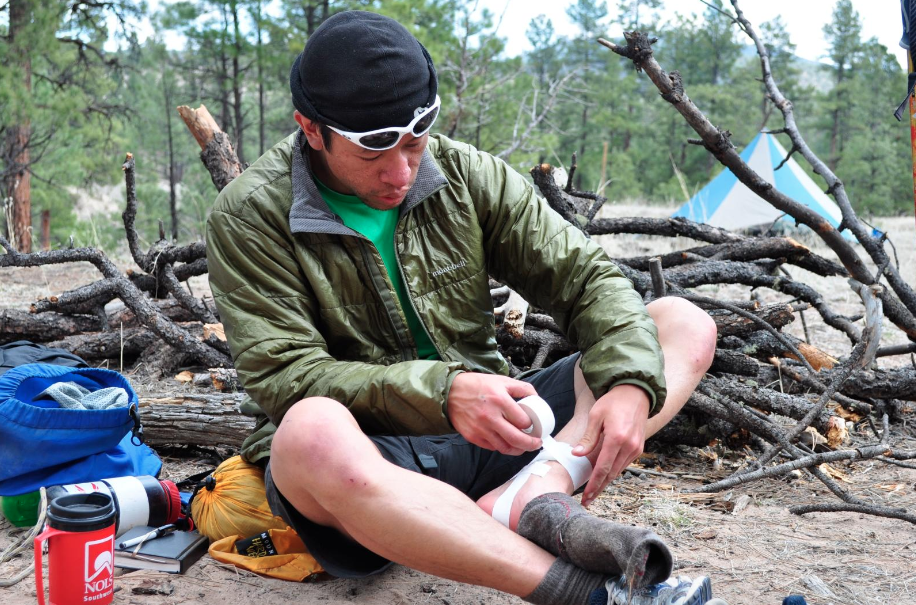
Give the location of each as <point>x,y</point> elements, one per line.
<point>80,533</point>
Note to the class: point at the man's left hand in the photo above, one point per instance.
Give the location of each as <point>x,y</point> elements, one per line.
<point>617,427</point>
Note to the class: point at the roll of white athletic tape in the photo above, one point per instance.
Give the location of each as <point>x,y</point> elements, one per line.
<point>542,420</point>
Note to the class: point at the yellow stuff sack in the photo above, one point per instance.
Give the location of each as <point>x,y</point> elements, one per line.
<point>237,503</point>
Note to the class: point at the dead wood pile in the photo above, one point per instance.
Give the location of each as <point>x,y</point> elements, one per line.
<point>779,398</point>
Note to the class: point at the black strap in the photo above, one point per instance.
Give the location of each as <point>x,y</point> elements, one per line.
<point>209,482</point>
<point>193,479</point>
<point>136,436</point>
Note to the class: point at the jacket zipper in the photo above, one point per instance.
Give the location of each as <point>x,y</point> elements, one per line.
<point>379,283</point>
<point>397,257</point>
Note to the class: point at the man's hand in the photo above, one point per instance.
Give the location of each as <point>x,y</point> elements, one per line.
<point>483,409</point>
<point>617,426</point>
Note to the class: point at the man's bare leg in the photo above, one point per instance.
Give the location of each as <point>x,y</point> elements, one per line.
<point>688,338</point>
<point>334,475</point>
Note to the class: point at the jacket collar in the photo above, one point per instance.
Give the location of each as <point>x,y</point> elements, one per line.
<point>310,213</point>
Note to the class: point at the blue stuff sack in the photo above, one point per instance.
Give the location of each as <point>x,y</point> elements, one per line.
<point>44,444</point>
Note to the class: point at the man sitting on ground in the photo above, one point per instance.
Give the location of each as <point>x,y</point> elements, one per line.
<point>350,266</point>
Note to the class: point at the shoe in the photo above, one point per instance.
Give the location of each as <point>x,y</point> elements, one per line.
<point>673,591</point>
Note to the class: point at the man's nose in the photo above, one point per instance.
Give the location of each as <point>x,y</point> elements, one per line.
<point>396,171</point>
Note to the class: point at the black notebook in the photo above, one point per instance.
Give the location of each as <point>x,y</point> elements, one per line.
<point>173,552</point>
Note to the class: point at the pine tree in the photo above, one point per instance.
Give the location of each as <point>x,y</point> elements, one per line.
<point>53,79</point>
<point>843,33</point>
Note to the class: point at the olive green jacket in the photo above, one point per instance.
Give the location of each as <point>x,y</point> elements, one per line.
<point>309,309</point>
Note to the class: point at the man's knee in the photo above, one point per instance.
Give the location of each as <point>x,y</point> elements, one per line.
<point>689,326</point>
<point>309,425</point>
<point>314,442</point>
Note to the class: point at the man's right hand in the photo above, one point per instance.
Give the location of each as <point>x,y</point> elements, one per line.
<point>483,408</point>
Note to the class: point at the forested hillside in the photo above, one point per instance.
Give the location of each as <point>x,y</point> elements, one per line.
<point>78,90</point>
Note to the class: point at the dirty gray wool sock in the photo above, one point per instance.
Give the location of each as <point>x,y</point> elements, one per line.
<point>559,525</point>
<point>565,584</point>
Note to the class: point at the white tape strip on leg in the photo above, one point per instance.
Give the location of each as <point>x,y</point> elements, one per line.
<point>542,425</point>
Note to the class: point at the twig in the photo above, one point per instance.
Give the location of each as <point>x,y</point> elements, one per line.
<point>836,507</point>
<point>658,279</point>
<point>572,171</point>
<point>863,453</point>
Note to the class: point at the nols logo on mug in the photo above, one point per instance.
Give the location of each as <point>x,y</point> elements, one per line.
<point>99,569</point>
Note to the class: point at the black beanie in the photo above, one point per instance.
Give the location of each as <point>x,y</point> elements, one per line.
<point>361,71</point>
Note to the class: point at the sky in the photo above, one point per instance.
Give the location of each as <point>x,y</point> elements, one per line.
<point>804,19</point>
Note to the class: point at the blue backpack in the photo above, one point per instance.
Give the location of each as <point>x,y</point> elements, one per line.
<point>43,444</point>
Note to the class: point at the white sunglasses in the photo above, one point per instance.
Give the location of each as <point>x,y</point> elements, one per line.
<point>386,138</point>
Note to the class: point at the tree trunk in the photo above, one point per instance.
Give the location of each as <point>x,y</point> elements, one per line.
<point>173,195</point>
<point>582,144</point>
<point>835,130</point>
<point>17,186</point>
<point>224,117</point>
<point>237,85</point>
<point>310,20</point>
<point>45,230</point>
<point>262,135</point>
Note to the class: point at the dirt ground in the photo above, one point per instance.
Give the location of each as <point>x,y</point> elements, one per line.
<point>753,549</point>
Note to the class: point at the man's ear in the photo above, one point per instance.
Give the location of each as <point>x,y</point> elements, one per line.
<point>310,128</point>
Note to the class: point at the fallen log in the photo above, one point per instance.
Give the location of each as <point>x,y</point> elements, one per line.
<point>115,344</point>
<point>897,383</point>
<point>22,325</point>
<point>663,227</point>
<point>733,362</point>
<point>745,251</point>
<point>88,299</point>
<point>208,420</point>
<point>777,315</point>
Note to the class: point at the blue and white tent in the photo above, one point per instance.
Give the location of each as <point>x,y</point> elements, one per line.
<point>726,202</point>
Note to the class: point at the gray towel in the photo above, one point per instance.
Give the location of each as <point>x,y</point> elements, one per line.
<point>75,397</point>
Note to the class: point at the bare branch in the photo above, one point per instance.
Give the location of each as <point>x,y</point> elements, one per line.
<point>834,184</point>
<point>718,143</point>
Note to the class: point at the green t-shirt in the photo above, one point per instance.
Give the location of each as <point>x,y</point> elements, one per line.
<point>378,226</point>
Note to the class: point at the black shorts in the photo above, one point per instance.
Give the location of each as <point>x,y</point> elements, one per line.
<point>450,458</point>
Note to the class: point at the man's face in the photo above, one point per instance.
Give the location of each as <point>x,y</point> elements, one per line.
<point>380,179</point>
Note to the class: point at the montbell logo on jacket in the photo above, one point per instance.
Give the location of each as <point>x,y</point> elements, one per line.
<point>452,267</point>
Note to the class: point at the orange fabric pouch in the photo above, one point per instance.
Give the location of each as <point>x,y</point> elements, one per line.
<point>277,553</point>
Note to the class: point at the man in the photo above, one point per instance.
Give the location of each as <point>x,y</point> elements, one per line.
<point>350,266</point>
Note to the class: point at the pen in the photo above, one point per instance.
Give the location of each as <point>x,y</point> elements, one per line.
<point>159,531</point>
